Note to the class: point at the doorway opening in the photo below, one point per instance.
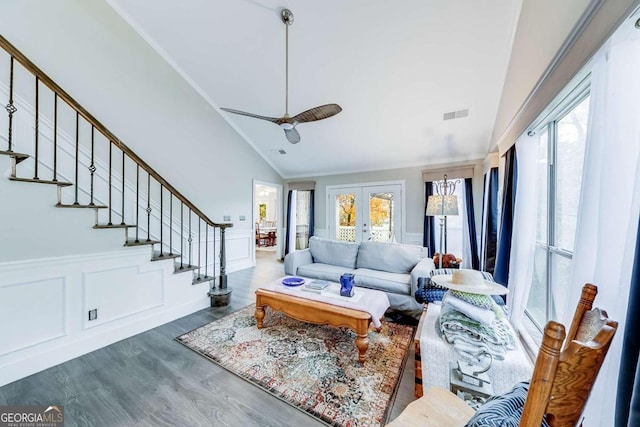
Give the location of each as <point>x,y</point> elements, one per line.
<point>267,213</point>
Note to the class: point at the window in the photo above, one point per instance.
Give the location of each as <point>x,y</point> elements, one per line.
<point>561,147</point>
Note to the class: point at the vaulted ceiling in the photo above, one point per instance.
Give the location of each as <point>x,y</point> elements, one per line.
<point>394,67</point>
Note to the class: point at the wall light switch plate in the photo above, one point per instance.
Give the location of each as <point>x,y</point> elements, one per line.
<point>243,218</point>
<point>226,218</point>
<point>93,314</point>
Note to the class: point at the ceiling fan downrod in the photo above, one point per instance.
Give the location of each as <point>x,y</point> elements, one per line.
<point>287,19</point>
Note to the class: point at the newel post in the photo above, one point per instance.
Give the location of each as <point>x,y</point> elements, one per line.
<point>221,295</point>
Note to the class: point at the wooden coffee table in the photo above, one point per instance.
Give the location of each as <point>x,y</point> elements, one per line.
<point>318,312</point>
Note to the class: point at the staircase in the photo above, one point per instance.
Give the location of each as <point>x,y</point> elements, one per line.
<point>51,139</point>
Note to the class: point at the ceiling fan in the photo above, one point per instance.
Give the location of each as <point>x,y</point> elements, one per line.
<point>286,122</point>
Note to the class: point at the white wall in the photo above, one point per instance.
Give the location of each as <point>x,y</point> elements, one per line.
<point>97,58</point>
<point>414,197</point>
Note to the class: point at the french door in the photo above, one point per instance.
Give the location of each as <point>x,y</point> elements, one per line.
<point>367,212</point>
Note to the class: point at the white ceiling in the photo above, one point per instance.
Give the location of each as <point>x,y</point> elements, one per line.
<point>394,67</point>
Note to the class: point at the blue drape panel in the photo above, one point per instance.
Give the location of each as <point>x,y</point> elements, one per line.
<point>471,222</point>
<point>428,237</point>
<point>288,225</point>
<point>490,227</point>
<point>628,400</point>
<point>501,273</point>
<point>312,204</point>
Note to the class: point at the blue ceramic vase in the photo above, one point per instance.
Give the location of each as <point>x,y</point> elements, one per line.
<point>346,285</point>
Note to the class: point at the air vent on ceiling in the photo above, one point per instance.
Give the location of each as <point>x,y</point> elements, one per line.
<point>456,114</point>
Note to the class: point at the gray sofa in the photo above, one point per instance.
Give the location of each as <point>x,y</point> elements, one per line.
<point>388,267</point>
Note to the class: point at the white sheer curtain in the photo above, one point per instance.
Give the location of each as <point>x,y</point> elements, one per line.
<point>610,202</point>
<point>523,243</point>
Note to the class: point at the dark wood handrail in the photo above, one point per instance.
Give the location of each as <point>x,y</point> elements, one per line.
<point>44,79</point>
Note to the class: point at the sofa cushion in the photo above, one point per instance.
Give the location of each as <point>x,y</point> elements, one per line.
<point>390,257</point>
<point>333,252</point>
<point>383,281</point>
<point>323,271</point>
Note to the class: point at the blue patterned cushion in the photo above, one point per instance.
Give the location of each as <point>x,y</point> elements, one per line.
<point>428,291</point>
<point>504,410</point>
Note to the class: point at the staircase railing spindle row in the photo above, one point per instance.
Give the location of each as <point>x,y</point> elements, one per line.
<point>104,179</point>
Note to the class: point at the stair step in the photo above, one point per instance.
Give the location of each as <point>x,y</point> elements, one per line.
<point>18,156</point>
<point>79,206</point>
<point>41,181</point>
<point>184,269</point>
<point>202,279</point>
<point>101,226</point>
<point>156,256</point>
<point>141,242</point>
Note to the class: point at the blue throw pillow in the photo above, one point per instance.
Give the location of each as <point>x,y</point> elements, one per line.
<point>428,291</point>
<point>504,410</point>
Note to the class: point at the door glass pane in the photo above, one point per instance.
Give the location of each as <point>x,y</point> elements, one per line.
<point>537,303</point>
<point>346,217</point>
<point>572,133</point>
<point>560,282</point>
<point>381,217</point>
<point>541,171</point>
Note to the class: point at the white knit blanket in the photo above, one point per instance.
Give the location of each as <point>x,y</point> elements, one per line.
<point>368,300</point>
<point>436,354</point>
<point>482,315</point>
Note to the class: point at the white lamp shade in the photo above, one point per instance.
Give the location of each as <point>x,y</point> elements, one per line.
<point>442,205</point>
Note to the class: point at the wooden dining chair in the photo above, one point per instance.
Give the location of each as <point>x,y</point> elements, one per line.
<point>261,238</point>
<point>563,377</point>
<point>561,382</point>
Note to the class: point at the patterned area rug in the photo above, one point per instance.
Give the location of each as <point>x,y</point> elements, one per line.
<point>314,368</point>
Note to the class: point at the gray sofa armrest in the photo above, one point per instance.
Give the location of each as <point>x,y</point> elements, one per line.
<point>295,259</point>
<point>422,269</point>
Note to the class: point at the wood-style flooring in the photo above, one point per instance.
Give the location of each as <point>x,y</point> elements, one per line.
<point>151,380</point>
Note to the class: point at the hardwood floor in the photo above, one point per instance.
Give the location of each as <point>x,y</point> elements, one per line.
<point>151,380</point>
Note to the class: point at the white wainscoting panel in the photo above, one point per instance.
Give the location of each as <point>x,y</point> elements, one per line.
<point>320,232</point>
<point>45,304</point>
<point>33,312</point>
<point>412,239</point>
<point>121,292</point>
<point>238,250</point>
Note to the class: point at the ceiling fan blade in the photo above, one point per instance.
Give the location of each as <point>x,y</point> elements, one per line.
<point>255,116</point>
<point>292,135</point>
<point>317,113</point>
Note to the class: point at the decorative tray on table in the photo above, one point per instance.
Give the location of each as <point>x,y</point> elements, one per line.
<point>293,281</point>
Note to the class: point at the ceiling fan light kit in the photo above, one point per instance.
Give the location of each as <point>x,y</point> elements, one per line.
<point>286,122</point>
